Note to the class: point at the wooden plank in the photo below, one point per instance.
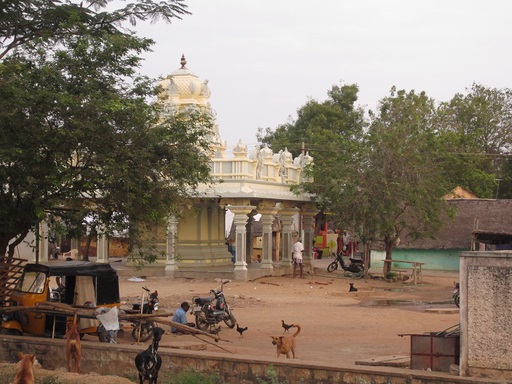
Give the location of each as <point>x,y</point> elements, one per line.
<point>387,361</point>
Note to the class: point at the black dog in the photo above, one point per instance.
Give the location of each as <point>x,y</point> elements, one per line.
<point>148,362</point>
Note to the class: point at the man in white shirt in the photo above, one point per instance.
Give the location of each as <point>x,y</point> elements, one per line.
<point>297,250</point>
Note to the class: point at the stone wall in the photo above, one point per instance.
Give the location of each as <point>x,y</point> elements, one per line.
<point>112,359</point>
<point>486,302</point>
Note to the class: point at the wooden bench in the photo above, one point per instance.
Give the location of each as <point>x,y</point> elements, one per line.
<point>415,266</point>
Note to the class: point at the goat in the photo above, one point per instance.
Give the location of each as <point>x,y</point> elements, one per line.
<point>148,362</point>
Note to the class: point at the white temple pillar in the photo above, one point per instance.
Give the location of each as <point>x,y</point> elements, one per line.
<point>308,220</point>
<point>287,215</point>
<point>240,222</point>
<point>43,241</point>
<point>172,234</point>
<point>267,219</point>
<point>101,246</point>
<point>75,244</point>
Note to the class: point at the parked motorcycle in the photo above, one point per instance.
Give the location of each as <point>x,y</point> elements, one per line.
<point>356,265</point>
<point>143,329</point>
<point>456,294</point>
<point>209,311</point>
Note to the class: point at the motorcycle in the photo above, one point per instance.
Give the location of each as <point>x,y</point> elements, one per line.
<point>143,329</point>
<point>356,265</point>
<point>456,294</point>
<point>209,311</point>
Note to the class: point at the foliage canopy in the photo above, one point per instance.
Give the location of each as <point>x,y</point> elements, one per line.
<point>81,139</point>
<point>384,174</point>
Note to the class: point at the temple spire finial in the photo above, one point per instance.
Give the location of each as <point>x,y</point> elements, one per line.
<point>183,62</point>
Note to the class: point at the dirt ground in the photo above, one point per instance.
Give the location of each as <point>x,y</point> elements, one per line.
<point>337,325</point>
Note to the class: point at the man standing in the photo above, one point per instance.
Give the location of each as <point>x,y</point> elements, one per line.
<point>297,250</point>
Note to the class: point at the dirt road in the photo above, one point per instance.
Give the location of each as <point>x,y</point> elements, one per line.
<point>337,325</point>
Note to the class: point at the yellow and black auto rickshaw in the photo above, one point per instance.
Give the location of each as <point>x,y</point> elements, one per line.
<point>83,284</point>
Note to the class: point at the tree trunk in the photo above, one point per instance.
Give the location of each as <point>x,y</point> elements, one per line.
<point>367,253</point>
<point>6,249</point>
<point>90,236</point>
<point>4,243</point>
<point>389,252</point>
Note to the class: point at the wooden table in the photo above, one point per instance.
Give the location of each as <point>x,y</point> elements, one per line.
<point>415,265</point>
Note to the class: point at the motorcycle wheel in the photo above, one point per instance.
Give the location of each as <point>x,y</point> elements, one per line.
<point>146,331</point>
<point>456,299</point>
<point>229,319</point>
<point>201,321</point>
<point>333,266</point>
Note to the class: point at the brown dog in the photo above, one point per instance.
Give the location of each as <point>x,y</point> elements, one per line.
<point>25,374</point>
<point>73,346</point>
<point>286,344</point>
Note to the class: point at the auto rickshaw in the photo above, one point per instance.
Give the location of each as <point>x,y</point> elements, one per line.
<point>84,284</point>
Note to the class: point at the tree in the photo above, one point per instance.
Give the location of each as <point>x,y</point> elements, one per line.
<point>405,176</point>
<point>477,127</point>
<point>504,186</point>
<point>333,131</point>
<point>386,181</point>
<point>81,137</point>
<point>335,116</point>
<point>48,22</point>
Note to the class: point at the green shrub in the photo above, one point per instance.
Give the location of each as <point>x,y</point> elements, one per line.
<point>191,377</point>
<point>391,275</point>
<point>272,378</point>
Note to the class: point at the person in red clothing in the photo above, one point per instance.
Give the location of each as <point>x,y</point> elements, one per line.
<point>339,244</point>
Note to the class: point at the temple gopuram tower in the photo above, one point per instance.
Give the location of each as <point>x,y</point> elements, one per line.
<point>251,182</point>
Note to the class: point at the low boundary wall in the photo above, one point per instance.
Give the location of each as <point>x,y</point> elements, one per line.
<point>118,359</point>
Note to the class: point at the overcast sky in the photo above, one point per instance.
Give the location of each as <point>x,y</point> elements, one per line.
<point>265,58</point>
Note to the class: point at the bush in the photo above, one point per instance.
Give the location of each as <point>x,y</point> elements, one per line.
<point>191,377</point>
<point>391,275</point>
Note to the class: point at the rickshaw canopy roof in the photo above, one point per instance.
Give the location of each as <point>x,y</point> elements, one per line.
<point>74,268</point>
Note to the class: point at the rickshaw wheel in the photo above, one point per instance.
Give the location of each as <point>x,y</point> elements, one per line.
<point>10,332</point>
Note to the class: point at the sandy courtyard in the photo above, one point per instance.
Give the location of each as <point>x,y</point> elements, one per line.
<point>337,325</point>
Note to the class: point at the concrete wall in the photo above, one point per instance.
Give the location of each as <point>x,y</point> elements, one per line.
<point>112,359</point>
<point>435,259</point>
<point>485,314</point>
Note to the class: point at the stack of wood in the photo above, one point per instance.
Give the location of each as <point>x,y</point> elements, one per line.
<point>61,309</point>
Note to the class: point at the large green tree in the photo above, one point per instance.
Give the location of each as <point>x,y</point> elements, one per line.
<point>50,21</point>
<point>333,132</point>
<point>81,138</point>
<point>384,178</point>
<point>477,128</point>
<point>405,165</point>
<point>390,187</point>
<point>317,122</point>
